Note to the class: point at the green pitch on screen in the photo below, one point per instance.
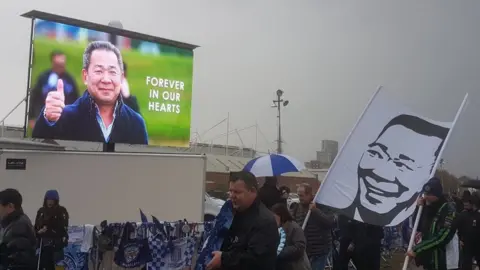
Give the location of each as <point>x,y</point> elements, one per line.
<point>164,129</point>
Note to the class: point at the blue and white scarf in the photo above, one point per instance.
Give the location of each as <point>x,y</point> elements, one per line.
<point>283,239</point>
<point>214,242</point>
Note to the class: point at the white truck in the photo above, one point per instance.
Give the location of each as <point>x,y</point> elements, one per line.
<point>212,207</point>
<point>96,186</point>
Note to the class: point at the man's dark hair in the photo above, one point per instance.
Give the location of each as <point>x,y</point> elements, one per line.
<point>474,200</point>
<point>250,180</point>
<point>284,189</point>
<point>466,194</point>
<point>420,126</point>
<point>11,196</point>
<point>55,53</point>
<point>101,45</point>
<point>281,210</point>
<point>271,181</point>
<point>467,200</point>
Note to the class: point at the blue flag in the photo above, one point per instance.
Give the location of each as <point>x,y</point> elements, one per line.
<point>214,242</point>
<point>143,218</point>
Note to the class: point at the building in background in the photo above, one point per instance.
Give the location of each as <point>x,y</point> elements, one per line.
<point>330,146</point>
<point>325,156</point>
<point>313,164</point>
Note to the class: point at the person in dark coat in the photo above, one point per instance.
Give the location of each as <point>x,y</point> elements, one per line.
<point>293,255</point>
<point>17,236</point>
<point>269,193</point>
<point>100,114</point>
<point>318,230</point>
<point>51,225</point>
<point>127,97</point>
<point>468,224</point>
<point>252,240</point>
<point>366,245</point>
<point>47,81</point>
<point>360,243</point>
<point>285,191</point>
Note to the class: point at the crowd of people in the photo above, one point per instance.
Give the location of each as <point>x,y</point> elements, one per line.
<point>252,241</point>
<point>20,239</point>
<point>253,244</point>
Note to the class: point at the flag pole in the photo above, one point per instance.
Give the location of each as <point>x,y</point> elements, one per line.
<point>340,150</point>
<point>432,174</point>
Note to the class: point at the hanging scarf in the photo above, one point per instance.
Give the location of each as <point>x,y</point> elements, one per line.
<point>132,251</point>
<point>283,239</point>
<point>214,242</point>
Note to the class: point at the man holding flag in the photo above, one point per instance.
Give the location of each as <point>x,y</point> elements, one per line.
<point>436,226</point>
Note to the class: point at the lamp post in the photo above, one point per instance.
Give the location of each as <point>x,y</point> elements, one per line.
<point>279,103</point>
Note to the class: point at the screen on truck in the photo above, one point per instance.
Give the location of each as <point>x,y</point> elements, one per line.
<point>95,86</point>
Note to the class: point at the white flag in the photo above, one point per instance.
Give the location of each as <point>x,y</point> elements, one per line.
<point>380,171</point>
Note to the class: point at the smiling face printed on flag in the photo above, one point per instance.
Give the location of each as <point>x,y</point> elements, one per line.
<point>383,166</point>
<point>393,168</point>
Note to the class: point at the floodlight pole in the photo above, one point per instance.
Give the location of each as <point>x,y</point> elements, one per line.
<point>279,103</point>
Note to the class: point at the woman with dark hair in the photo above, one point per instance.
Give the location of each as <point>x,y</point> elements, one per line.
<point>292,256</point>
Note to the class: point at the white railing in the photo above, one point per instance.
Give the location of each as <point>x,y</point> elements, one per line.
<point>2,122</point>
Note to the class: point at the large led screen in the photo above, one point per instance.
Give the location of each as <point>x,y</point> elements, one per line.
<point>94,86</point>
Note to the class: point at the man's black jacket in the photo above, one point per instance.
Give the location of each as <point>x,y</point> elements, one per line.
<point>468,224</point>
<point>318,230</point>
<point>362,235</point>
<point>270,195</point>
<point>17,242</point>
<point>40,90</point>
<point>252,240</point>
<point>79,123</point>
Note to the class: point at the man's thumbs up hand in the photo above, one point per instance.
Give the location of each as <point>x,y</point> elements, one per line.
<point>54,103</point>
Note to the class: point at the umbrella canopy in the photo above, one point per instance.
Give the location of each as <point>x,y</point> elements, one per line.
<point>273,165</point>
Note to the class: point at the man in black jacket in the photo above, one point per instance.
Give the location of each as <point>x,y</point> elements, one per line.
<point>51,225</point>
<point>360,242</point>
<point>318,230</point>
<point>17,237</point>
<point>100,114</point>
<point>469,232</point>
<point>269,194</point>
<point>253,238</point>
<point>47,82</point>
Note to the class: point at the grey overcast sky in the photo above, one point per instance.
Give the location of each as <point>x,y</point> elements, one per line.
<point>328,56</point>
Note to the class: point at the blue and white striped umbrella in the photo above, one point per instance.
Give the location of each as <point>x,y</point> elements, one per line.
<point>273,165</point>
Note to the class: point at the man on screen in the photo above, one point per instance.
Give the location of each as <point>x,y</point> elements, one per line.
<point>99,115</point>
<point>47,82</point>
<point>393,169</point>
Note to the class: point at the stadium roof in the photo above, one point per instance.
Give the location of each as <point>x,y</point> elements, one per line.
<point>225,164</point>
